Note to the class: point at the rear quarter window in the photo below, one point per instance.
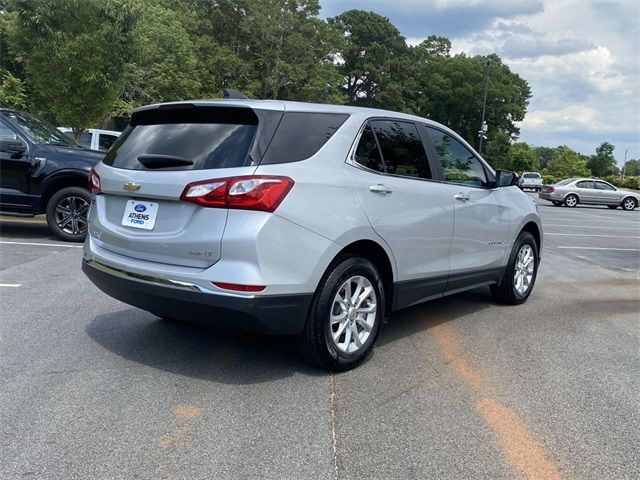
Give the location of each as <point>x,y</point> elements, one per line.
<point>300,135</point>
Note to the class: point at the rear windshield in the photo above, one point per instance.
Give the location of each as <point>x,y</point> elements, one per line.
<point>200,138</point>
<point>564,182</point>
<point>531,175</point>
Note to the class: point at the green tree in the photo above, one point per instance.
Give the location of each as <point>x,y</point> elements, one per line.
<point>450,91</point>
<point>544,155</point>
<point>11,91</point>
<point>603,163</point>
<point>497,151</point>
<point>73,54</point>
<point>567,163</point>
<point>373,60</point>
<point>523,158</point>
<point>632,168</point>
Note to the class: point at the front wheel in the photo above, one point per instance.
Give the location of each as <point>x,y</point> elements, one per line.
<point>345,316</point>
<point>67,212</point>
<point>629,203</point>
<point>520,274</point>
<point>571,200</point>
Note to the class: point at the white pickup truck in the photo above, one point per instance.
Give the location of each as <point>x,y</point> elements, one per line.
<point>530,180</point>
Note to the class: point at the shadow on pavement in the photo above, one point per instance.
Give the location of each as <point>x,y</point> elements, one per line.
<point>239,358</point>
<point>25,230</point>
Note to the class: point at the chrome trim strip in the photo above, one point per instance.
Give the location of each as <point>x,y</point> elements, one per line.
<point>164,282</point>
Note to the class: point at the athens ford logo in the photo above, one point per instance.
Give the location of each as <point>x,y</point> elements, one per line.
<point>140,208</point>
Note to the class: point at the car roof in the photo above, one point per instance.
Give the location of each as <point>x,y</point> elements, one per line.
<point>291,106</point>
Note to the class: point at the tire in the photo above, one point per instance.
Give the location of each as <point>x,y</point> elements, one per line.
<point>556,204</point>
<point>508,291</point>
<point>67,213</point>
<point>612,207</point>
<point>316,342</point>
<point>571,200</point>
<point>629,203</point>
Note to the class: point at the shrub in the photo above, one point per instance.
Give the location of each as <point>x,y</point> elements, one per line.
<point>549,179</point>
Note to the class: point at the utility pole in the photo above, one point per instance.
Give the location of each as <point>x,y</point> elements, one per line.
<point>483,125</point>
<point>625,162</point>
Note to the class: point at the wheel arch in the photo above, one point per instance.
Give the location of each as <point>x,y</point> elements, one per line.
<point>633,197</point>
<point>533,229</point>
<point>62,180</point>
<point>571,193</point>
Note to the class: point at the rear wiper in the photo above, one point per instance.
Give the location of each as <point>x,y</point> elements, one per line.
<point>153,160</point>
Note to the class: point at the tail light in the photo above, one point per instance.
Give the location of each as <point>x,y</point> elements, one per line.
<point>94,182</point>
<point>239,288</point>
<point>550,189</point>
<point>252,192</point>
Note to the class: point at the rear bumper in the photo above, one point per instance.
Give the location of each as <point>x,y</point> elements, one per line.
<point>268,314</point>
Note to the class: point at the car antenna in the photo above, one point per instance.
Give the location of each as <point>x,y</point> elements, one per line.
<point>233,93</point>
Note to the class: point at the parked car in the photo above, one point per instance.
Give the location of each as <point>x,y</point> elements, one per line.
<point>589,191</point>
<point>44,171</point>
<point>531,181</point>
<point>94,138</point>
<point>302,219</point>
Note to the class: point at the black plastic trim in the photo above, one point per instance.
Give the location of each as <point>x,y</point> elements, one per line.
<point>268,314</point>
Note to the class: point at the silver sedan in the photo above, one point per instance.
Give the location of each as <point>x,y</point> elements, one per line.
<point>589,191</point>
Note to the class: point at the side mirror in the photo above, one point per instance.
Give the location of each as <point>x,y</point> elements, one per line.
<point>506,178</point>
<point>13,147</point>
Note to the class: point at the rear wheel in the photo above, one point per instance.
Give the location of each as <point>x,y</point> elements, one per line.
<point>571,200</point>
<point>67,212</point>
<point>345,316</point>
<point>520,274</point>
<point>629,203</point>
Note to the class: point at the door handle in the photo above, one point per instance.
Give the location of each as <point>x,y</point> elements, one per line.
<point>463,197</point>
<point>379,188</point>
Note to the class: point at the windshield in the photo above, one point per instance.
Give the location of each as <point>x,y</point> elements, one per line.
<point>40,131</point>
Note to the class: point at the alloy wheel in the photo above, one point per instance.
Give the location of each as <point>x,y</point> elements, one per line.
<point>71,215</point>
<point>524,269</point>
<point>353,314</point>
<point>629,204</point>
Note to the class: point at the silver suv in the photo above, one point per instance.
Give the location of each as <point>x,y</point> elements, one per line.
<point>294,218</point>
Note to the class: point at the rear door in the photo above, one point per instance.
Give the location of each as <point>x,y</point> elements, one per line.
<point>139,213</point>
<point>482,221</point>
<point>587,191</point>
<point>412,213</point>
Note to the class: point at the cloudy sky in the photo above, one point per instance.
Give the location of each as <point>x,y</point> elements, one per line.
<point>581,59</point>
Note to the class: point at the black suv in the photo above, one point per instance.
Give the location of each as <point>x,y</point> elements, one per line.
<point>42,170</point>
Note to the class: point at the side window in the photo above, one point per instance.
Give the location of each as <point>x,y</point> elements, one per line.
<point>402,149</point>
<point>584,184</point>
<point>6,133</point>
<point>105,141</point>
<point>85,139</point>
<point>604,186</point>
<point>459,165</point>
<point>367,153</point>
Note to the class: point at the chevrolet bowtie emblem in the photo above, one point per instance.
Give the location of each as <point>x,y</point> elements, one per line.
<point>131,187</point>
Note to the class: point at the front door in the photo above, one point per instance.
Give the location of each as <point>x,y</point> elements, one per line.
<point>607,194</point>
<point>412,213</point>
<point>481,233</point>
<point>15,171</point>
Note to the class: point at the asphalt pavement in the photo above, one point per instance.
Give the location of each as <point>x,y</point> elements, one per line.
<point>91,388</point>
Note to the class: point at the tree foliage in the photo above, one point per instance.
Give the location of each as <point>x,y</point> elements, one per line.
<point>603,163</point>
<point>632,168</point>
<point>567,163</point>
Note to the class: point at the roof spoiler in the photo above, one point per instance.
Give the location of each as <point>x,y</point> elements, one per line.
<point>233,93</point>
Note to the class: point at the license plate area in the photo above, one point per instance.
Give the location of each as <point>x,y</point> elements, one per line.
<point>139,214</point>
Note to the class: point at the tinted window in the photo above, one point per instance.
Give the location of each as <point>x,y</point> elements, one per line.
<point>6,133</point>
<point>402,149</point>
<point>459,165</point>
<point>604,186</point>
<point>40,131</point>
<point>585,184</point>
<point>85,139</point>
<point>531,175</point>
<point>207,145</point>
<point>301,135</point>
<point>105,141</point>
<point>367,153</point>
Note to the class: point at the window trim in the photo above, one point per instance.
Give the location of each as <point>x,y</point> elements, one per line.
<point>350,160</point>
<point>488,171</point>
<point>606,183</point>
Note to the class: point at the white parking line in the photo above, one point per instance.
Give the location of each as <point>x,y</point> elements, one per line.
<point>588,235</point>
<point>583,225</point>
<point>574,220</point>
<point>10,285</point>
<point>40,244</point>
<point>602,248</point>
<point>613,217</point>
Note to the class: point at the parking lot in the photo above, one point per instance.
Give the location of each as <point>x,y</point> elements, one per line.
<point>457,388</point>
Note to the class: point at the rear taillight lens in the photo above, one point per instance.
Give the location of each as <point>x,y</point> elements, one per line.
<point>94,182</point>
<point>550,189</point>
<point>239,288</point>
<point>251,192</point>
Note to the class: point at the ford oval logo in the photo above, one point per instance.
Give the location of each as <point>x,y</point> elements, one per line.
<point>140,208</point>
